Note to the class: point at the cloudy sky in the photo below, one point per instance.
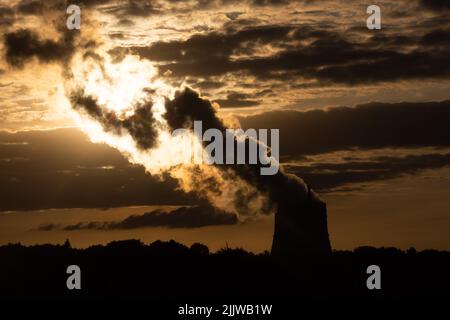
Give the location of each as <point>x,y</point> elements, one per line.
<point>363,116</point>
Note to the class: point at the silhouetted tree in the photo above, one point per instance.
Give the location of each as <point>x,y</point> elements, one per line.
<point>67,244</point>
<point>199,249</point>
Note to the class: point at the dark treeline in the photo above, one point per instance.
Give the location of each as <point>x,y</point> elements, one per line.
<point>169,271</point>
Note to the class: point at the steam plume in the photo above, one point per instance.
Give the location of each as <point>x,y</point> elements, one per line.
<point>126,105</point>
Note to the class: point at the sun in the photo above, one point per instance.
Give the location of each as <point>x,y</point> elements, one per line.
<point>119,86</point>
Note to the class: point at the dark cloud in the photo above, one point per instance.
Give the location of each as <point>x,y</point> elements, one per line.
<point>31,7</point>
<point>183,217</point>
<point>437,37</point>
<point>436,5</point>
<point>330,56</point>
<point>6,16</point>
<point>328,176</point>
<point>204,4</point>
<point>187,107</point>
<point>233,15</point>
<point>92,3</point>
<point>134,8</point>
<point>125,22</point>
<point>219,45</point>
<point>237,100</point>
<point>374,125</point>
<point>116,7</point>
<point>237,103</point>
<point>140,125</point>
<point>414,65</point>
<point>48,227</point>
<point>208,85</point>
<point>23,45</point>
<point>63,169</point>
<point>271,2</point>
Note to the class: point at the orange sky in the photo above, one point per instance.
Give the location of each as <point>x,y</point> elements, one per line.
<point>381,162</point>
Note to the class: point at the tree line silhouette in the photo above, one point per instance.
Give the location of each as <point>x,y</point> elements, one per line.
<point>170,271</point>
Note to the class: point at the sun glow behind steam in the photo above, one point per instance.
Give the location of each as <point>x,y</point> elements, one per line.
<point>120,88</point>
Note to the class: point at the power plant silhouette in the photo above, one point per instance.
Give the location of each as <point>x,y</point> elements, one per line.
<point>301,228</point>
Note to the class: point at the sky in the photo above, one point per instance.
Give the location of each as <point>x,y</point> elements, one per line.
<point>363,117</point>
